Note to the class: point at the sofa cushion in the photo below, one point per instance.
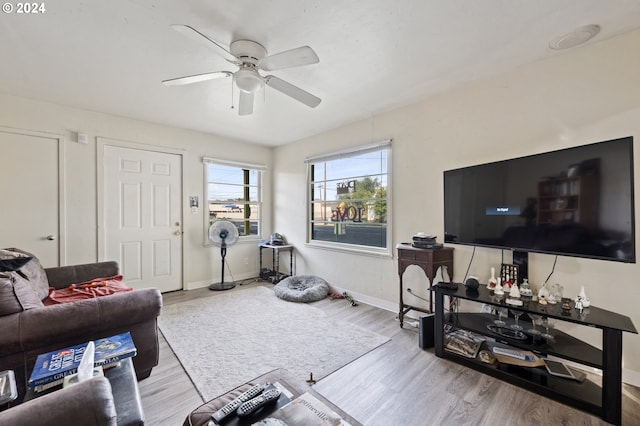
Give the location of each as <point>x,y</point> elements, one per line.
<point>16,294</point>
<point>35,274</point>
<point>12,260</point>
<point>87,290</point>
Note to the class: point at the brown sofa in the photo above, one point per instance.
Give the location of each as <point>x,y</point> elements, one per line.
<point>34,329</point>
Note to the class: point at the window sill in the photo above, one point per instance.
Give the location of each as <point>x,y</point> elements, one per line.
<point>352,249</point>
<point>241,240</point>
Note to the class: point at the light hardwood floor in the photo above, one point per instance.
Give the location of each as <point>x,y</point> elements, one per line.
<point>395,384</point>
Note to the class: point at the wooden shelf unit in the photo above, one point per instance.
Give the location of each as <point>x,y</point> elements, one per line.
<point>569,200</point>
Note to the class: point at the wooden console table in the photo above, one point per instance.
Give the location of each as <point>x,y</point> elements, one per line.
<point>427,259</point>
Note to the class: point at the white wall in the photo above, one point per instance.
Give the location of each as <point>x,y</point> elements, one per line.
<point>201,265</point>
<point>587,95</point>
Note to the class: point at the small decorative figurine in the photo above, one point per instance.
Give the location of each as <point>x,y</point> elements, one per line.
<point>525,288</point>
<point>492,281</point>
<point>543,292</point>
<point>498,290</point>
<point>514,296</point>
<point>555,295</point>
<point>584,300</point>
<point>506,284</point>
<point>515,291</point>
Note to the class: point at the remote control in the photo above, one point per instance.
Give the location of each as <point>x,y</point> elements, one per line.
<point>231,407</point>
<point>512,353</point>
<point>447,286</point>
<point>268,397</point>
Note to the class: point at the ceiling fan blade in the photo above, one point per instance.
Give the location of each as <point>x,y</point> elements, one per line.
<point>291,58</point>
<point>246,103</point>
<point>290,90</point>
<point>199,37</point>
<point>196,78</point>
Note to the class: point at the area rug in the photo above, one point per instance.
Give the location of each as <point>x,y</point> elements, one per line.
<point>225,340</point>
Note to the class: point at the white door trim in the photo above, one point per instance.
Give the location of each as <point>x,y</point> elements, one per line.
<point>62,201</point>
<point>101,141</point>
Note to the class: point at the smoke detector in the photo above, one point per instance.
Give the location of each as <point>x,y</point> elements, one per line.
<point>575,38</point>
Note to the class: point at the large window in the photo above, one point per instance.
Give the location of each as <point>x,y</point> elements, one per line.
<point>233,193</point>
<point>348,196</point>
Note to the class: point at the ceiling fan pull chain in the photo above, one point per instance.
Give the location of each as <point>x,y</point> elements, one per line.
<point>232,101</point>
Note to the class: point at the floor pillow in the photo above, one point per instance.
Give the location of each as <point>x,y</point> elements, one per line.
<point>302,288</point>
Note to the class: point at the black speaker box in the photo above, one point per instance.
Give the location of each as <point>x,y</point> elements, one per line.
<point>426,331</point>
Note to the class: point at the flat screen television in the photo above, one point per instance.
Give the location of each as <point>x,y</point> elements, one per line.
<point>577,201</point>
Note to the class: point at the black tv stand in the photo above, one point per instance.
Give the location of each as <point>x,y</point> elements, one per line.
<point>603,400</point>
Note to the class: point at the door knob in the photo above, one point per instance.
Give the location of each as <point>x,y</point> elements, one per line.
<point>51,237</point>
<point>178,232</point>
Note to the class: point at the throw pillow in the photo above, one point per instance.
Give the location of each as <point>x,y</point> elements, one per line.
<point>12,260</point>
<point>35,274</point>
<point>87,290</point>
<point>16,295</point>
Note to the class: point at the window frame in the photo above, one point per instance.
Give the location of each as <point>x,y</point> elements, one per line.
<point>341,246</point>
<point>260,169</point>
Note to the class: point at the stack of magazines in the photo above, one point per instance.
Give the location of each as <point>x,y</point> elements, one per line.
<point>304,410</point>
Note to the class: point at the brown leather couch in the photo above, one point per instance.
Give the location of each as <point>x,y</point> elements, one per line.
<point>35,329</point>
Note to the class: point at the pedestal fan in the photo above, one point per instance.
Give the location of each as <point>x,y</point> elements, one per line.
<point>223,234</point>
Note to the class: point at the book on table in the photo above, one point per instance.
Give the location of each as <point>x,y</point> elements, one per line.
<point>51,368</point>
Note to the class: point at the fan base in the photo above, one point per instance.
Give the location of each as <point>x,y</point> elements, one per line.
<point>221,286</point>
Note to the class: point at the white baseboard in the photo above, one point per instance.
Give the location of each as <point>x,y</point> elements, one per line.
<point>373,301</point>
<point>631,377</point>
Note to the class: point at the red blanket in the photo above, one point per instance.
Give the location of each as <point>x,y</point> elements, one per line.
<point>87,290</point>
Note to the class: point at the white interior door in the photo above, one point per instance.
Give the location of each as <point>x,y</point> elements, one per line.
<point>142,216</point>
<point>30,193</point>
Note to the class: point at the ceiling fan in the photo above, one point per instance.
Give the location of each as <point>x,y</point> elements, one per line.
<point>251,57</point>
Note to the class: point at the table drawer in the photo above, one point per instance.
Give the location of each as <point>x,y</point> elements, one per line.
<point>418,255</point>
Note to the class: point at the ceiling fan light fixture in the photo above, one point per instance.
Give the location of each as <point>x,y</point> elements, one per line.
<point>248,80</point>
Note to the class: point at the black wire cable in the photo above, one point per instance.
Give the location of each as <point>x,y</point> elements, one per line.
<point>469,266</point>
<point>453,301</point>
<point>552,269</point>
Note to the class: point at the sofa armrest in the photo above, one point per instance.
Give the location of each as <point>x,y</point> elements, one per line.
<point>63,276</point>
<point>87,403</point>
<point>85,319</point>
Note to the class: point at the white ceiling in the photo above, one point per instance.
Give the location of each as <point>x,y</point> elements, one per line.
<point>375,55</point>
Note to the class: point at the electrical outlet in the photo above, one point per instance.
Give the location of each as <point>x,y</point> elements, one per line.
<point>246,260</point>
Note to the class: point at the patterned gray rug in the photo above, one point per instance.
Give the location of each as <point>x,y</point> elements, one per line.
<point>227,339</point>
